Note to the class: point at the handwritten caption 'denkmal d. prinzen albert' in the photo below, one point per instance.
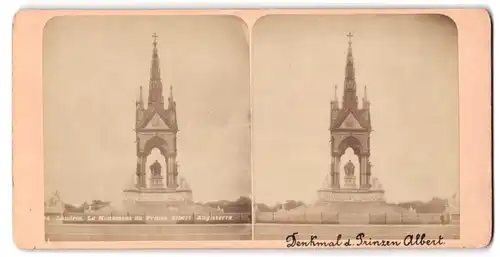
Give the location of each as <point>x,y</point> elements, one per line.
<point>362,240</point>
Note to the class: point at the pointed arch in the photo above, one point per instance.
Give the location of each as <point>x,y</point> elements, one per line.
<point>155,142</point>
<point>351,142</point>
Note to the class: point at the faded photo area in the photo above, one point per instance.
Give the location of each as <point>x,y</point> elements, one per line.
<point>355,126</point>
<point>146,121</point>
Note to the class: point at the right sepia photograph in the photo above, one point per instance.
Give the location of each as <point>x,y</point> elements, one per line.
<point>355,127</point>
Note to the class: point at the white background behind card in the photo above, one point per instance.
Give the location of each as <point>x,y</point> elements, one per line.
<point>7,11</point>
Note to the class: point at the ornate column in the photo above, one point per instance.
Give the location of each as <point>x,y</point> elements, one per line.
<point>335,175</point>
<point>175,174</point>
<point>365,172</point>
<point>166,171</point>
<point>138,173</point>
<point>170,170</point>
<point>142,171</point>
<point>368,172</point>
<point>362,171</point>
<point>337,170</point>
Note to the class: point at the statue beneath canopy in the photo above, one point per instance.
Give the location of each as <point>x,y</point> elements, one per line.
<point>155,169</point>
<point>349,169</point>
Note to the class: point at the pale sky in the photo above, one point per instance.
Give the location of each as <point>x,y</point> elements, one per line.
<point>93,67</point>
<point>410,66</point>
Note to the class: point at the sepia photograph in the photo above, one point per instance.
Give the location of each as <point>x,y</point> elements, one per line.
<point>146,128</point>
<point>355,129</point>
<point>251,128</point>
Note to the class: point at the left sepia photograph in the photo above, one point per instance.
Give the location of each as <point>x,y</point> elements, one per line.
<point>146,125</point>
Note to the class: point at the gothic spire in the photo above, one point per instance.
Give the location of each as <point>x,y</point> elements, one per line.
<point>335,102</point>
<point>172,107</point>
<point>139,108</point>
<point>171,102</point>
<point>366,103</point>
<point>350,100</point>
<point>335,94</point>
<point>334,108</point>
<point>171,93</point>
<point>140,102</point>
<point>155,85</point>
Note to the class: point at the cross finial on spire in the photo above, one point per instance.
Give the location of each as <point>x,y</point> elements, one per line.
<point>155,37</point>
<point>335,92</point>
<point>350,35</point>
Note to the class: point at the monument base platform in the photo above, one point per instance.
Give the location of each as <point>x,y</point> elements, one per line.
<point>343,195</point>
<point>160,200</point>
<point>158,195</point>
<point>349,201</point>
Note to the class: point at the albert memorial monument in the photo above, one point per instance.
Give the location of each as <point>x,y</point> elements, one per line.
<point>157,187</point>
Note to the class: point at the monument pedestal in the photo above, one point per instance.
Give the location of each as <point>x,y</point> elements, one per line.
<point>156,199</point>
<point>356,204</point>
<point>350,182</point>
<point>330,195</point>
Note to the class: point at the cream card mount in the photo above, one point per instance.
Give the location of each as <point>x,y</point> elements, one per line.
<point>320,128</point>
